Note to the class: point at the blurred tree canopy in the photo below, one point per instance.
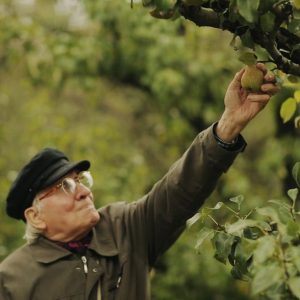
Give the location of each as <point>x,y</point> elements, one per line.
<point>103,81</point>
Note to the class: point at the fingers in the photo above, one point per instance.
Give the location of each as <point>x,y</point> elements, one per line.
<point>269,88</point>
<point>239,75</point>
<point>262,67</point>
<point>262,98</point>
<point>236,82</point>
<point>270,77</point>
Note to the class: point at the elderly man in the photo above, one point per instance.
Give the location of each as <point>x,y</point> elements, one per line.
<point>76,252</point>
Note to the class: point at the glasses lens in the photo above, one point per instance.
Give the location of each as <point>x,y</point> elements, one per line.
<point>86,179</point>
<point>68,185</point>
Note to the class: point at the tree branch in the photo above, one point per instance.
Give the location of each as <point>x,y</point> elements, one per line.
<point>286,40</point>
<point>201,16</point>
<point>284,64</point>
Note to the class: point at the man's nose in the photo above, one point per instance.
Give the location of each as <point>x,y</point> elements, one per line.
<point>82,192</point>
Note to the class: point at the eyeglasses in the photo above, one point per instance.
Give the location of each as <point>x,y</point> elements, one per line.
<point>69,184</point>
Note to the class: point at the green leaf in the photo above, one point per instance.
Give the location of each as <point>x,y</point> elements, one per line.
<point>287,109</point>
<point>296,173</point>
<point>243,254</point>
<point>269,212</point>
<point>238,200</point>
<point>248,9</point>
<point>297,96</point>
<point>267,21</point>
<point>245,249</point>
<point>277,292</point>
<point>293,193</point>
<point>247,40</point>
<point>292,228</point>
<point>252,233</point>
<point>217,206</point>
<point>233,43</point>
<point>247,57</point>
<point>297,122</point>
<point>265,249</point>
<point>176,15</point>
<point>222,243</point>
<point>264,6</point>
<point>237,273</point>
<point>294,255</point>
<point>284,215</point>
<point>163,5</point>
<point>204,234</point>
<point>292,78</point>
<point>280,203</point>
<point>291,268</point>
<point>266,277</point>
<point>231,256</point>
<point>294,285</point>
<point>240,225</point>
<point>193,220</point>
<point>204,213</point>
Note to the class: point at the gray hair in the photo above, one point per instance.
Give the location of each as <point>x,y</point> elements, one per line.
<point>32,233</point>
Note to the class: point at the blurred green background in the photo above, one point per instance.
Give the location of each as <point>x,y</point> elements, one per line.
<point>107,82</point>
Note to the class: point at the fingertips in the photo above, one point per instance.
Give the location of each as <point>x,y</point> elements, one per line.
<point>262,67</point>
<point>236,82</point>
<point>239,74</point>
<point>270,77</point>
<point>270,88</point>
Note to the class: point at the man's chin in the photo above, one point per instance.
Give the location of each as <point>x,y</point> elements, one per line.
<point>95,217</point>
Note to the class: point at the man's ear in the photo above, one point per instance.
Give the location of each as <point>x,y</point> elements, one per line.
<point>33,217</point>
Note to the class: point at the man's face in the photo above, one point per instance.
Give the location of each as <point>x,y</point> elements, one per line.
<point>67,216</point>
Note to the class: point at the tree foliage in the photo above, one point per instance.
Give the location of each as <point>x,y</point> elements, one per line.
<point>261,248</point>
<point>267,31</point>
<point>272,25</point>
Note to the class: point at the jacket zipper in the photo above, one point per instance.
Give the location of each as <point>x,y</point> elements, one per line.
<point>119,281</point>
<point>85,266</point>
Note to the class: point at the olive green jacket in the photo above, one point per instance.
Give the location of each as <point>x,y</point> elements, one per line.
<point>126,241</point>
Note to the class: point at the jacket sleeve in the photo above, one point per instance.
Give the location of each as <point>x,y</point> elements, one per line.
<point>162,213</point>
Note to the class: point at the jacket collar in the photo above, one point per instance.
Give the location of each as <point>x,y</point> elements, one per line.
<point>102,240</point>
<point>45,251</point>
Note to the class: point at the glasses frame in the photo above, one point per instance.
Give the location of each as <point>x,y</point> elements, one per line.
<point>77,179</point>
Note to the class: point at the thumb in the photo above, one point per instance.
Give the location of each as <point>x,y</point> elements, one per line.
<point>236,82</point>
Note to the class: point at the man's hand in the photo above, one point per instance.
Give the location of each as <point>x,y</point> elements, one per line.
<point>242,106</point>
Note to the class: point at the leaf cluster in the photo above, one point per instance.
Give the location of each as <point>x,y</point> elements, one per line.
<point>289,107</point>
<point>262,246</point>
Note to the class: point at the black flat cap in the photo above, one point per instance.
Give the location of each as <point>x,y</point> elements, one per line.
<point>44,169</point>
